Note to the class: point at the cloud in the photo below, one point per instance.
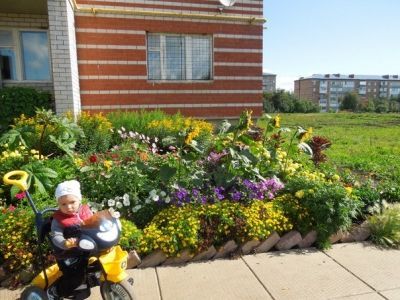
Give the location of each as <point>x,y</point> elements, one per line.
<point>286,82</point>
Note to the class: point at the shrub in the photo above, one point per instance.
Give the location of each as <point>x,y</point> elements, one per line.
<point>262,218</point>
<point>97,131</point>
<point>45,132</point>
<point>197,227</point>
<point>15,101</point>
<point>16,243</point>
<point>320,205</point>
<point>156,124</point>
<point>131,235</point>
<point>172,230</point>
<point>385,227</point>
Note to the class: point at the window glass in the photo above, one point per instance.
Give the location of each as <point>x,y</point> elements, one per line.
<point>178,57</point>
<point>7,64</point>
<point>154,65</point>
<point>201,58</point>
<point>35,55</point>
<point>175,60</point>
<point>7,55</point>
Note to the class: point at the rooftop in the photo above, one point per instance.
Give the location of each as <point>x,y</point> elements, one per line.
<point>352,76</point>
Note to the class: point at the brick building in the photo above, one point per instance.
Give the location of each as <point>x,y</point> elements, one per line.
<point>327,90</point>
<point>196,56</point>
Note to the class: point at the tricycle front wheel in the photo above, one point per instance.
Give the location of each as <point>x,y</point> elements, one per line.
<point>122,290</point>
<point>33,293</point>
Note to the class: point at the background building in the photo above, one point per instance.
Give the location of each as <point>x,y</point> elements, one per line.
<point>327,90</point>
<point>197,57</point>
<point>269,82</point>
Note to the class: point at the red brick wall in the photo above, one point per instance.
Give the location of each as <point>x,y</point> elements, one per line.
<point>112,58</point>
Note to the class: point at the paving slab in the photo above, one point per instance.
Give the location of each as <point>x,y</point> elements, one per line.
<point>369,296</point>
<point>145,285</point>
<point>379,268</point>
<point>6,294</point>
<point>215,280</point>
<point>392,294</point>
<point>304,274</point>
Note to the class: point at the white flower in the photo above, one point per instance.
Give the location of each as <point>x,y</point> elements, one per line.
<point>119,205</point>
<point>111,202</point>
<point>163,194</point>
<point>126,201</point>
<point>155,198</point>
<point>136,208</point>
<point>167,200</point>
<point>114,213</point>
<point>147,201</point>
<point>153,192</point>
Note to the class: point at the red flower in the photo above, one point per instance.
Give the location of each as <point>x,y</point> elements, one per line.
<point>93,158</point>
<point>20,196</point>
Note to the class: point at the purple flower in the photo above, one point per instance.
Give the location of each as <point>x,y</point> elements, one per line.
<point>181,194</point>
<point>236,196</point>
<point>195,192</point>
<point>219,193</point>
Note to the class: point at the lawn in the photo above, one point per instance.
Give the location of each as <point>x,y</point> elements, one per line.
<point>361,142</point>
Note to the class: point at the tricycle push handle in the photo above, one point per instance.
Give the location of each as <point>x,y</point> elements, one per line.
<point>21,182</point>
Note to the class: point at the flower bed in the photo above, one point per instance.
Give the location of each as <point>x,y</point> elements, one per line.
<point>180,185</point>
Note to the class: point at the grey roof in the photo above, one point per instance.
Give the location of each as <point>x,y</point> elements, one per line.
<point>269,74</point>
<point>352,76</point>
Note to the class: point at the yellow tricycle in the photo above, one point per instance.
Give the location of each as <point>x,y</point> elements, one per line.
<point>98,239</point>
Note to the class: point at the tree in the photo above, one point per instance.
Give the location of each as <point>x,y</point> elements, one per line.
<point>349,102</point>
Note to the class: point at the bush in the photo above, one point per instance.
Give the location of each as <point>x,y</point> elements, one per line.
<point>45,132</point>
<point>156,124</point>
<point>385,227</point>
<point>97,131</point>
<point>320,205</point>
<point>197,227</point>
<point>131,235</point>
<point>15,101</point>
<point>16,243</point>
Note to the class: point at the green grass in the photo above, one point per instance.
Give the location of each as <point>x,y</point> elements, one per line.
<point>366,143</point>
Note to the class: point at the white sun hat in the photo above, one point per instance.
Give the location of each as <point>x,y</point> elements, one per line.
<point>70,187</point>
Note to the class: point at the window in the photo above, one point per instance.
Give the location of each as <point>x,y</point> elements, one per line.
<point>178,57</point>
<point>24,55</point>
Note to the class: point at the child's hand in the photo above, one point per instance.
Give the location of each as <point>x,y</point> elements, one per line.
<point>71,242</point>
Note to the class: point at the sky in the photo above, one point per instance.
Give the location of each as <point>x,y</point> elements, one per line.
<point>305,37</point>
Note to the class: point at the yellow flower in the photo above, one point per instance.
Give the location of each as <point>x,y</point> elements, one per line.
<point>335,177</point>
<point>107,164</point>
<point>277,121</point>
<point>349,190</point>
<point>299,194</point>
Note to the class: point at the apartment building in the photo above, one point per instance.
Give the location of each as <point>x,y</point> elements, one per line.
<point>199,57</point>
<point>269,82</point>
<point>327,90</point>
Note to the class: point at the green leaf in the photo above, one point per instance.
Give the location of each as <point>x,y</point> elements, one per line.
<point>167,172</point>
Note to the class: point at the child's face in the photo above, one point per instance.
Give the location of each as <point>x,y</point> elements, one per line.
<point>68,204</point>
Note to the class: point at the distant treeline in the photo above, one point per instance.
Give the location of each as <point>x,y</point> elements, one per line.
<point>286,102</point>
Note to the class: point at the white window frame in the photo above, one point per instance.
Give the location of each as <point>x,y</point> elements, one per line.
<point>17,47</point>
<point>188,57</point>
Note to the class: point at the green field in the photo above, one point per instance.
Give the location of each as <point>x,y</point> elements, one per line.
<point>366,143</point>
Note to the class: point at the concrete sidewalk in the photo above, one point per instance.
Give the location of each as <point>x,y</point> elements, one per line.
<point>347,271</point>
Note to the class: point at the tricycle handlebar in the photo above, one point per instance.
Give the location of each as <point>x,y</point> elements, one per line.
<point>21,182</point>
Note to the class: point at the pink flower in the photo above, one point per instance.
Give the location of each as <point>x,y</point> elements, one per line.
<point>20,196</point>
<point>11,207</point>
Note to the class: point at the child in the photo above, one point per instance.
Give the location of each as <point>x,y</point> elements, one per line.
<point>66,220</point>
